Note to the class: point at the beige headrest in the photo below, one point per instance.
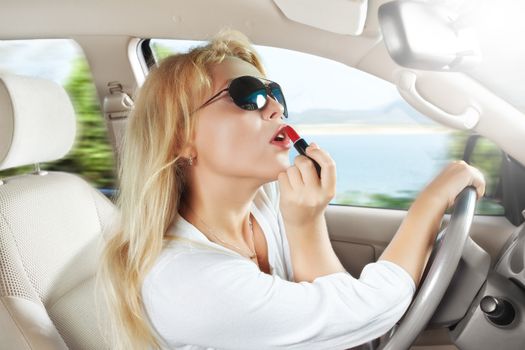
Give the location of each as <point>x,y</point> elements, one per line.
<point>37,121</point>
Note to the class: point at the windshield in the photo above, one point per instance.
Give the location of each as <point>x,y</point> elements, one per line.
<point>500,29</point>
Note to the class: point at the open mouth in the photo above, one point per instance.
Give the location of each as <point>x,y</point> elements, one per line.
<point>280,138</point>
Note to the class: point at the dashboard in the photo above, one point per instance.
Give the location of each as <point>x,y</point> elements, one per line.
<point>495,318</point>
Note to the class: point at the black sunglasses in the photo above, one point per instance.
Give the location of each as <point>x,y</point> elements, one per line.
<point>250,93</point>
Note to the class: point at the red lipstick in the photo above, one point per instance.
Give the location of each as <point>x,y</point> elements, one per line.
<point>300,145</point>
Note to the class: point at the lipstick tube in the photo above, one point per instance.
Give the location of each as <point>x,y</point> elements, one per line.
<point>300,145</point>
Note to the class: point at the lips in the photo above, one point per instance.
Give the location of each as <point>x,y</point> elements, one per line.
<point>280,138</point>
<point>278,132</point>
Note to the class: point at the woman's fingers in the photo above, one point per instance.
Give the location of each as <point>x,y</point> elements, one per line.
<point>295,177</point>
<point>303,195</point>
<point>454,178</point>
<point>284,183</point>
<point>472,175</point>
<point>328,171</point>
<point>308,172</point>
<point>478,181</point>
<point>302,177</point>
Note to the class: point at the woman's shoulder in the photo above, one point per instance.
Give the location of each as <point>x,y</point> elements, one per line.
<point>176,266</point>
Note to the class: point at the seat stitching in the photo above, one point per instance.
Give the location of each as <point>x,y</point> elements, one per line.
<point>96,209</point>
<point>19,254</point>
<point>69,290</point>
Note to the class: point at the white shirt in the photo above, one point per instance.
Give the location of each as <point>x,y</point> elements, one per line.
<point>201,295</point>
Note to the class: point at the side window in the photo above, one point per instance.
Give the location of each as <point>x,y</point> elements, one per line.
<point>385,151</point>
<point>62,61</point>
<point>486,156</point>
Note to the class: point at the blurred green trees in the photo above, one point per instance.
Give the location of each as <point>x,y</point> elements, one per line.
<point>487,157</point>
<point>91,156</point>
<point>377,200</point>
<point>160,51</point>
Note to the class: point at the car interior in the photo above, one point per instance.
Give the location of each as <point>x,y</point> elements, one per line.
<point>53,220</point>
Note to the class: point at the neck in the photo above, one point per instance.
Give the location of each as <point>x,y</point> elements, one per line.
<point>221,204</point>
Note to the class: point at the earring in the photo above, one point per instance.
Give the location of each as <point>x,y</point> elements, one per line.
<point>190,162</point>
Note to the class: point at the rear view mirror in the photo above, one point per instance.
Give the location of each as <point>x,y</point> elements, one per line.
<point>428,36</point>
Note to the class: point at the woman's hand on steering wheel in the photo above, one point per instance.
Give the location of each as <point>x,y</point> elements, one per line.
<point>453,179</point>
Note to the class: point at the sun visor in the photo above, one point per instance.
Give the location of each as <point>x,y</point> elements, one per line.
<point>338,16</point>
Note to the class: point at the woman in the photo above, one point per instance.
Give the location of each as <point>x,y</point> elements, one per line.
<point>222,243</point>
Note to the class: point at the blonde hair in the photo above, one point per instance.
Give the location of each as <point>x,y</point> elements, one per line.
<point>152,179</point>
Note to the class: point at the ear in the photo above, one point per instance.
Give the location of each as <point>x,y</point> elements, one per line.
<point>189,150</point>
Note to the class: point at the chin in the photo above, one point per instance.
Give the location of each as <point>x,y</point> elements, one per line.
<point>283,166</point>
<point>279,165</point>
<point>279,170</point>
<point>284,161</point>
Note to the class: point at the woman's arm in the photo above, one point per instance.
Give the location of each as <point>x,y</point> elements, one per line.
<point>217,300</point>
<point>311,250</point>
<point>412,244</point>
<point>304,197</point>
<point>303,200</point>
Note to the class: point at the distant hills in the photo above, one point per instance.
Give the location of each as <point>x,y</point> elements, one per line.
<point>397,113</point>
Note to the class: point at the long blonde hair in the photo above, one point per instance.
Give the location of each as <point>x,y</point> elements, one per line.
<point>152,179</point>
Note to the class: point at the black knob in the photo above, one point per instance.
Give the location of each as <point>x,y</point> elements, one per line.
<point>497,310</point>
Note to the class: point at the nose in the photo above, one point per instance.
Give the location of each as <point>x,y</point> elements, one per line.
<point>272,109</point>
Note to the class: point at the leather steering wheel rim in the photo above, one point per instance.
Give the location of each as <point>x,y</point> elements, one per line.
<point>439,275</point>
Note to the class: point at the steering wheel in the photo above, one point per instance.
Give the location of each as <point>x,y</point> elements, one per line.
<point>446,256</point>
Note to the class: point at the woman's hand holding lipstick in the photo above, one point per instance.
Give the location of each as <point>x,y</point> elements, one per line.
<point>300,145</point>
<point>304,197</point>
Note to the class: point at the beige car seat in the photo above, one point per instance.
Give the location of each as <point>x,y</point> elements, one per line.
<point>50,225</point>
